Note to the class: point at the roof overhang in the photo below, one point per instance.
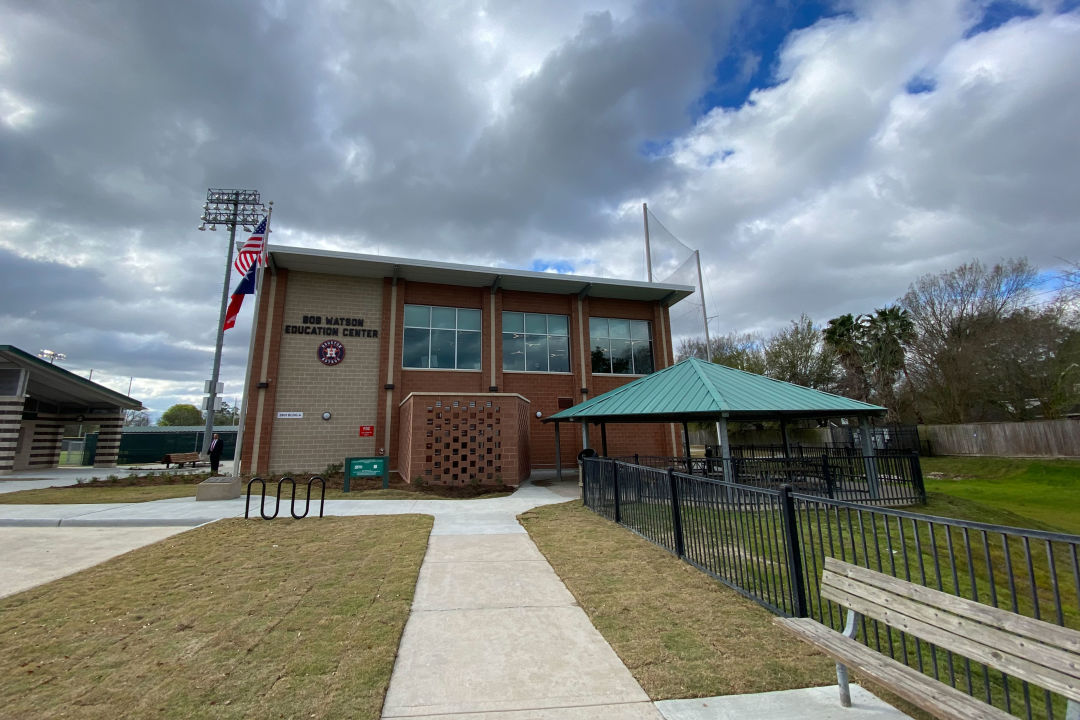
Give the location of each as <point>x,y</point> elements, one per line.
<point>331,262</point>
<point>57,386</point>
<point>759,416</point>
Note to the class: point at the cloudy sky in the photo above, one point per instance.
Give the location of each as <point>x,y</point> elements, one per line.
<point>821,155</point>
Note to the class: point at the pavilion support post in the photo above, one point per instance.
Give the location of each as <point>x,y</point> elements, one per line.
<point>558,453</point>
<point>784,439</point>
<point>869,460</point>
<point>585,436</point>
<point>686,443</point>
<point>603,438</point>
<point>725,448</point>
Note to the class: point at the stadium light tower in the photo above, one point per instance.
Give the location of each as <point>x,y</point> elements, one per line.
<point>228,208</point>
<point>51,355</point>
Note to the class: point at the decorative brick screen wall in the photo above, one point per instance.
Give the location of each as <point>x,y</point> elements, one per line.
<point>457,438</point>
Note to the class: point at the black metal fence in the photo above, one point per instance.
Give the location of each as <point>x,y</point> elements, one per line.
<point>890,480</point>
<point>769,544</point>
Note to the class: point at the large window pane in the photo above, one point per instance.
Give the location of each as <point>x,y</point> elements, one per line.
<point>468,319</point>
<point>414,350</point>
<point>558,354</point>
<point>536,352</point>
<point>468,350</point>
<point>513,351</point>
<point>643,364</point>
<point>619,329</point>
<point>601,358</point>
<point>639,330</point>
<point>442,349</point>
<point>558,325</point>
<point>598,328</point>
<point>513,322</point>
<point>442,317</point>
<point>417,316</point>
<point>621,357</point>
<point>535,324</point>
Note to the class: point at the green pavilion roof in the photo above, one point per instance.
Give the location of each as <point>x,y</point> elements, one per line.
<point>697,390</point>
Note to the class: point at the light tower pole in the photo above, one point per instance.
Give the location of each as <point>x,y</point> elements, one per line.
<point>229,208</point>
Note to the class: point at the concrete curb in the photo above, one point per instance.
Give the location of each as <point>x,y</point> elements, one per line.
<point>117,522</point>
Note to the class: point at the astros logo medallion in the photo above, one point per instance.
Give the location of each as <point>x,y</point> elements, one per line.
<point>331,352</point>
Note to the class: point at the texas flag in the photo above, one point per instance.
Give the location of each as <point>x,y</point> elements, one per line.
<point>245,287</point>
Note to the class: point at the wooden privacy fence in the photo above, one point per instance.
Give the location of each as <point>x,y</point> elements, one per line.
<point>1035,438</point>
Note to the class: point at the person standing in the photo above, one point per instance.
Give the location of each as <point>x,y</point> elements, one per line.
<point>215,453</point>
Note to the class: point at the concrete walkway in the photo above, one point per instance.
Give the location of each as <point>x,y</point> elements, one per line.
<point>493,634</point>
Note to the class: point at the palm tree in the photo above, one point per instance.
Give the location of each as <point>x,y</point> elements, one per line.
<point>888,331</point>
<point>845,335</point>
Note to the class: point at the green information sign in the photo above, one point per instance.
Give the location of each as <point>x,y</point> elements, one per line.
<point>376,466</point>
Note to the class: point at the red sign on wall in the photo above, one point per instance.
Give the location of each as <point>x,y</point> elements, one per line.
<point>367,431</point>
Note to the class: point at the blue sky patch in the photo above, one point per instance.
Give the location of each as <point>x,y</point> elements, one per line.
<point>920,84</point>
<point>560,266</point>
<point>751,61</point>
<point>998,13</point>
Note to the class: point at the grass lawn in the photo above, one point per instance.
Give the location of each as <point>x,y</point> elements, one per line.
<point>235,619</point>
<point>1043,494</point>
<point>681,633</point>
<point>163,487</point>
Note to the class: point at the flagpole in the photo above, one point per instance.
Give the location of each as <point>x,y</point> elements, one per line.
<point>239,449</point>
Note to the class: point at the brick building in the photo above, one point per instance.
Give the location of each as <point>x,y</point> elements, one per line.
<point>447,369</point>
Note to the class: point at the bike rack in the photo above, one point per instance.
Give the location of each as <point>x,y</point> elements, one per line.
<point>292,501</point>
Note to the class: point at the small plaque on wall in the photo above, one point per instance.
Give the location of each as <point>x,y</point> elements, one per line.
<point>367,431</point>
<point>290,414</point>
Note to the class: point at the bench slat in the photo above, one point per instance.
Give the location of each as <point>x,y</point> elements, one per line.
<point>1017,666</point>
<point>918,689</point>
<point>993,638</point>
<point>1048,633</point>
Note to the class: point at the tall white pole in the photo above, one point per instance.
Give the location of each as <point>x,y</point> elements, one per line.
<point>704,315</point>
<point>648,252</point>
<point>238,451</point>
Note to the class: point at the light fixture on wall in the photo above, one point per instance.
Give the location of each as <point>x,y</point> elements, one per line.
<point>326,415</point>
<point>539,414</point>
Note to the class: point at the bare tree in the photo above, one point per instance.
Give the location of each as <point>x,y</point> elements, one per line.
<point>798,355</point>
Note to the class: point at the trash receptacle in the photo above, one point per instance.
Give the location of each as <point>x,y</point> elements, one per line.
<point>586,453</point>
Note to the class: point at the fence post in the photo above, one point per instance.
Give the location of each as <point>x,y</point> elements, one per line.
<point>916,476</point>
<point>826,473</point>
<point>637,459</point>
<point>615,487</point>
<point>791,538</point>
<point>676,513</point>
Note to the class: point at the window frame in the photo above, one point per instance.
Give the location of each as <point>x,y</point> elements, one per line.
<point>524,334</point>
<point>457,330</point>
<point>632,343</point>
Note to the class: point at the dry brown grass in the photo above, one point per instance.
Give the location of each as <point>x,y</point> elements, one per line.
<point>681,633</point>
<point>89,493</point>
<point>236,619</point>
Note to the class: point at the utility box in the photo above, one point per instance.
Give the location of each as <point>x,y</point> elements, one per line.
<point>374,466</point>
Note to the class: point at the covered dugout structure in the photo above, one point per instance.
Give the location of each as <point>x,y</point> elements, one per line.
<point>37,399</point>
<point>697,391</point>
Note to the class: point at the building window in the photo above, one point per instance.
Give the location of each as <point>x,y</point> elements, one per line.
<point>534,342</point>
<point>622,347</point>
<point>441,338</point>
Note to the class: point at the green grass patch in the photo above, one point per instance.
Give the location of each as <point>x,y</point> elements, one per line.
<point>236,619</point>
<point>681,633</point>
<point>1038,493</point>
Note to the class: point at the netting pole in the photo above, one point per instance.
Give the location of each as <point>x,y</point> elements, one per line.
<point>704,315</point>
<point>648,253</point>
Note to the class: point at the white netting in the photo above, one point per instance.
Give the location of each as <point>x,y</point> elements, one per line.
<point>676,263</point>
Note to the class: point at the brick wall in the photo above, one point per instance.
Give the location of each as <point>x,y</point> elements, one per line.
<point>11,408</point>
<point>460,438</point>
<point>304,384</point>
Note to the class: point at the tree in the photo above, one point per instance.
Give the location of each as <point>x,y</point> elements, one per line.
<point>181,414</point>
<point>743,351</point>
<point>227,415</point>
<point>887,333</point>
<point>136,418</point>
<point>952,313</point>
<point>845,335</point>
<point>798,355</point>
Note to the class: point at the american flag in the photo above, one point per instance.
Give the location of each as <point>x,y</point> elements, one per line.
<point>252,251</point>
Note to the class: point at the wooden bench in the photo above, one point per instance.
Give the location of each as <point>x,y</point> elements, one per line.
<point>180,458</point>
<point>1037,652</point>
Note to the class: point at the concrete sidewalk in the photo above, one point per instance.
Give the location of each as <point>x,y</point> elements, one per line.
<point>493,634</point>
